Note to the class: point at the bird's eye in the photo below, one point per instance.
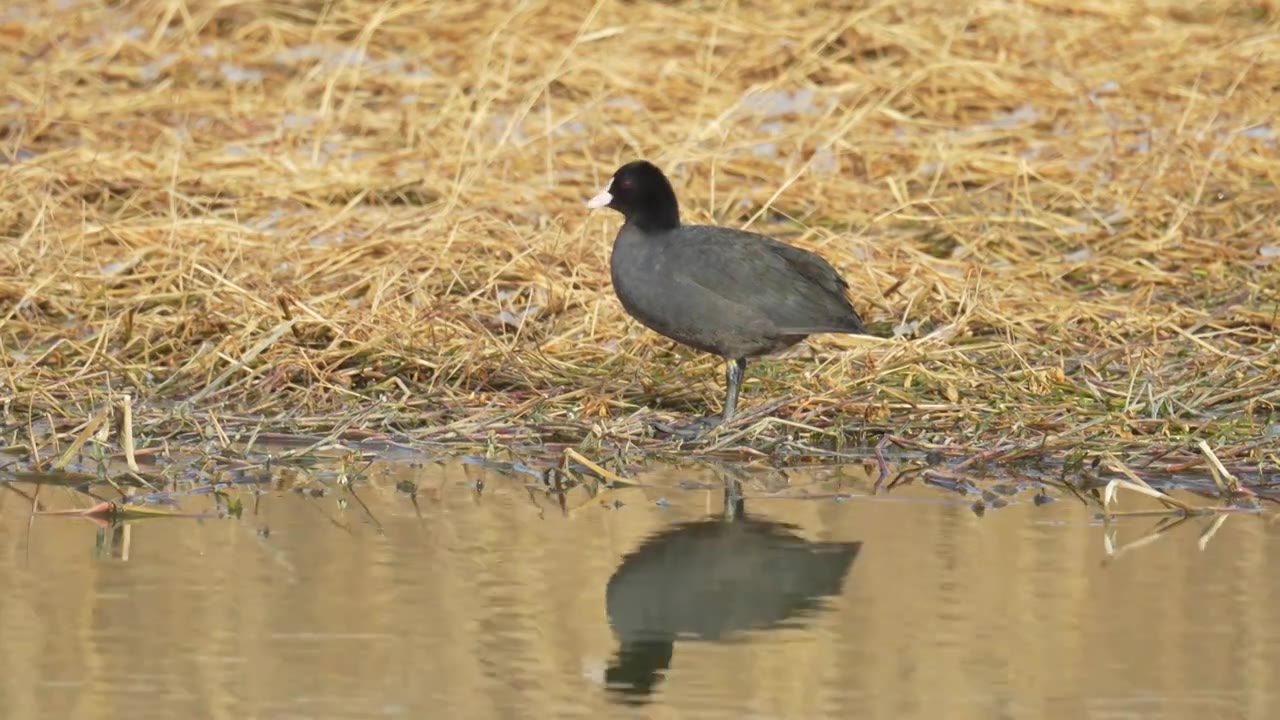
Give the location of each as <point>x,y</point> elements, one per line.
<point>625,184</point>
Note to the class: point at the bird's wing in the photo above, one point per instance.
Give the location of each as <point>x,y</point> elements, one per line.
<point>798,291</point>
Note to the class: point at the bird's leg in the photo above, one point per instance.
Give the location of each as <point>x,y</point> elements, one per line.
<point>733,375</point>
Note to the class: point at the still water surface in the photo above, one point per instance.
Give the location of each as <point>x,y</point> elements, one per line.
<point>643,602</point>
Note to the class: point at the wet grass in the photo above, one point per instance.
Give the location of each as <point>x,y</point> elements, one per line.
<point>358,482</point>
<point>359,222</point>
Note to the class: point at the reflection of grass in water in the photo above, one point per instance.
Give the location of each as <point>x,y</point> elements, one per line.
<point>384,234</point>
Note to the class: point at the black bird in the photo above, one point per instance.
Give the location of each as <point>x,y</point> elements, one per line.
<point>709,580</point>
<point>730,292</point>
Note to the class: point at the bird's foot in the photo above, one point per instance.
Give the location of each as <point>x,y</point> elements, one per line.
<point>692,431</point>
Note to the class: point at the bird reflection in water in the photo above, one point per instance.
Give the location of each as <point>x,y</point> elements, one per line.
<point>709,580</point>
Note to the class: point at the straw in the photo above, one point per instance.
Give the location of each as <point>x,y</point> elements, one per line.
<point>1060,219</point>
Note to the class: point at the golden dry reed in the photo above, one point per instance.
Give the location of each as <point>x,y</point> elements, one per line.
<point>366,219</point>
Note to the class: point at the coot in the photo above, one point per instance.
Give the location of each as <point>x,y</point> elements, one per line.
<point>733,293</point>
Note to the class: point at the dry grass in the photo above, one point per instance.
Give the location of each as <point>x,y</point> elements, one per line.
<point>365,218</point>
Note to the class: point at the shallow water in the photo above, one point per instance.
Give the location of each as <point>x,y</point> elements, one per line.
<point>638,603</point>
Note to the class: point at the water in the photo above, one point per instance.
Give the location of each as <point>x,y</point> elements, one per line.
<point>636,603</point>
